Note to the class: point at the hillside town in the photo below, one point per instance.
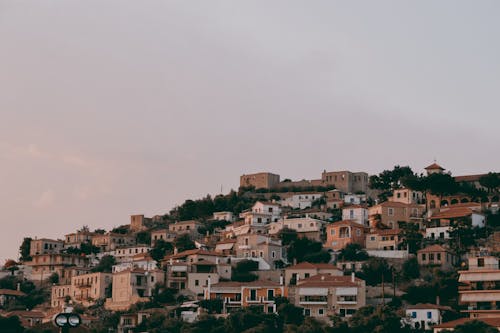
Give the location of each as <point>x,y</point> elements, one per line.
<point>400,251</point>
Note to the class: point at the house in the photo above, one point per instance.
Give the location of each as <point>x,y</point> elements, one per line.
<point>390,214</point>
<point>260,246</point>
<point>480,287</point>
<point>84,289</point>
<point>9,296</point>
<point>354,199</point>
<point>425,316</point>
<point>436,255</point>
<point>226,247</point>
<point>162,234</point>
<point>132,286</point>
<point>437,232</point>
<point>304,270</point>
<point>127,253</point>
<point>138,261</point>
<point>450,216</point>
<point>44,265</point>
<point>450,325</point>
<point>76,239</point>
<point>236,295</point>
<point>260,180</point>
<point>45,246</point>
<point>300,200</point>
<point>28,318</point>
<point>262,213</point>
<point>139,222</point>
<point>129,321</point>
<point>223,216</point>
<point>305,227</point>
<point>407,196</point>
<point>324,295</point>
<point>110,241</point>
<point>356,213</point>
<point>339,234</point>
<point>385,239</point>
<point>186,227</point>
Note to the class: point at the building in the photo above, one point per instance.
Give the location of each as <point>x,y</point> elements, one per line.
<point>480,287</point>
<point>260,180</point>
<point>355,199</point>
<point>425,316</point>
<point>356,213</point>
<point>236,295</point>
<point>186,227</point>
<point>162,234</point>
<point>305,227</point>
<point>110,241</point>
<point>45,246</point>
<point>438,232</point>
<point>434,168</point>
<point>226,247</point>
<point>224,216</point>
<point>44,265</point>
<point>450,216</point>
<point>28,318</point>
<point>305,270</point>
<point>300,200</point>
<point>139,222</point>
<point>386,239</point>
<point>390,214</point>
<point>340,234</point>
<point>450,325</point>
<point>76,239</point>
<point>260,246</point>
<point>436,255</point>
<point>262,213</point>
<point>324,295</point>
<point>127,253</point>
<point>84,289</point>
<point>407,196</point>
<point>346,181</point>
<point>132,286</point>
<point>9,296</point>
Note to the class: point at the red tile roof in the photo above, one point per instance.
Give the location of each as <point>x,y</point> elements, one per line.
<point>495,322</point>
<point>423,306</point>
<point>191,252</point>
<point>346,222</point>
<point>453,213</point>
<point>434,248</point>
<point>434,166</point>
<point>469,178</point>
<point>327,280</point>
<point>257,283</point>
<point>11,292</point>
<point>308,265</point>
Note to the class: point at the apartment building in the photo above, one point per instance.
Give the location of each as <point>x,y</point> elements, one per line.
<point>262,213</point>
<point>186,227</point>
<point>132,286</point>
<point>356,213</point>
<point>480,287</point>
<point>305,227</point>
<point>387,239</point>
<point>75,239</point>
<point>341,233</point>
<point>84,289</point>
<point>44,265</point>
<point>127,253</point>
<point>407,196</point>
<point>265,180</point>
<point>304,270</point>
<point>110,241</point>
<point>45,246</point>
<point>437,255</point>
<point>324,295</point>
<point>260,246</point>
<point>236,295</point>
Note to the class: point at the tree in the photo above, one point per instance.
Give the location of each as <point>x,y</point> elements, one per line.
<point>143,237</point>
<point>11,324</point>
<point>54,278</point>
<point>160,250</point>
<point>105,264</point>
<point>389,180</point>
<point>291,314</point>
<point>287,235</point>
<point>304,249</point>
<point>491,181</point>
<point>441,184</point>
<point>374,270</point>
<point>24,249</point>
<point>184,243</point>
<point>123,229</point>
<point>212,305</point>
<point>353,252</point>
<point>411,236</point>
<point>381,319</point>
<point>242,272</point>
<point>411,269</point>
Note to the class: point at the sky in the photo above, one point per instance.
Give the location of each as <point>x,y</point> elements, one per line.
<point>112,108</point>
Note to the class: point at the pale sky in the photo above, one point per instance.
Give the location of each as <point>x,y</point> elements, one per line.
<point>112,108</point>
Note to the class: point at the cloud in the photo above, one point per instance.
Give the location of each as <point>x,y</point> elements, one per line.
<point>46,199</point>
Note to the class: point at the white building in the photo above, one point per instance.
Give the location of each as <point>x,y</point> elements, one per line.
<point>425,315</point>
<point>438,232</point>
<point>223,216</point>
<point>262,213</point>
<point>305,227</point>
<point>301,200</point>
<point>356,213</point>
<point>354,199</point>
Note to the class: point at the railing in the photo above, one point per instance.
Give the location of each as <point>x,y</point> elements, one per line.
<point>250,299</point>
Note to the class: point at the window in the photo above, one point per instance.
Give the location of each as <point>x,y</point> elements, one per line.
<point>321,312</point>
<point>372,238</point>
<point>196,282</point>
<point>431,256</point>
<point>299,225</point>
<point>358,232</point>
<point>414,314</point>
<point>270,209</point>
<point>438,256</point>
<point>480,262</point>
<point>332,232</point>
<point>307,312</point>
<point>390,211</point>
<point>306,275</point>
<point>273,254</point>
<point>429,315</point>
<point>423,257</point>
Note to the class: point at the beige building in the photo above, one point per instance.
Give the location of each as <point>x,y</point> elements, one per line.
<point>139,222</point>
<point>391,214</point>
<point>436,255</point>
<point>110,241</point>
<point>342,233</point>
<point>260,180</point>
<point>304,270</point>
<point>84,289</point>
<point>44,265</point>
<point>260,246</point>
<point>324,295</point>
<point>387,239</point>
<point>407,196</point>
<point>186,227</point>
<point>162,234</point>
<point>132,286</point>
<point>306,227</point>
<point>480,287</point>
<point>75,239</point>
<point>346,181</point>
<point>45,246</point>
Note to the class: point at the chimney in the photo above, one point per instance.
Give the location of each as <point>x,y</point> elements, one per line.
<point>281,279</point>
<point>353,277</point>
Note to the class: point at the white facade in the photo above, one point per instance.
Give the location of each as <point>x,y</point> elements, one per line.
<point>262,214</point>
<point>126,254</point>
<point>438,232</point>
<point>305,224</point>
<point>478,220</point>
<point>300,200</point>
<point>425,318</point>
<point>356,214</point>
<point>355,199</point>
<point>223,216</point>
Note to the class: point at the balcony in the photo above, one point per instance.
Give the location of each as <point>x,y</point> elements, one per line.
<point>314,300</point>
<point>257,299</point>
<point>232,300</point>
